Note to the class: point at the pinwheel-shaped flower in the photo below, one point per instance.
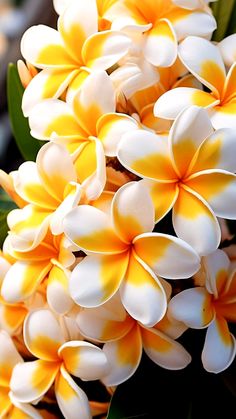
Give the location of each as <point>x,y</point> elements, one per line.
<point>189,172</point>
<point>211,306</point>
<point>50,259</point>
<point>50,188</point>
<point>163,23</point>
<point>9,407</point>
<point>57,359</point>
<point>204,61</point>
<point>63,54</point>
<point>124,254</point>
<point>89,129</point>
<point>125,340</point>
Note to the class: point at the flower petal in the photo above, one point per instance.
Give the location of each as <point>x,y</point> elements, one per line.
<point>133,211</point>
<point>56,169</point>
<point>22,280</point>
<point>205,64</point>
<point>193,307</point>
<point>5,402</point>
<point>110,129</point>
<point>104,49</point>
<point>218,188</point>
<point>217,267</point>
<point>216,152</point>
<point>142,293</point>
<point>227,49</point>
<point>84,360</point>
<point>171,103</point>
<point>48,83</point>
<point>167,256</point>
<point>160,47</point>
<point>90,229</point>
<point>89,105</point>
<point>31,188</point>
<point>97,278</point>
<point>71,398</point>
<point>124,356</point>
<point>72,193</point>
<point>105,323</point>
<point>38,377</point>
<point>219,348</point>
<point>224,116</point>
<point>42,335</point>
<point>146,155</point>
<point>195,222</point>
<point>58,296</point>
<point>163,350</point>
<point>190,128</point>
<point>53,116</point>
<point>9,357</point>
<point>77,22</point>
<point>28,227</point>
<point>43,47</point>
<point>12,317</point>
<point>195,22</point>
<point>163,196</point>
<point>23,410</point>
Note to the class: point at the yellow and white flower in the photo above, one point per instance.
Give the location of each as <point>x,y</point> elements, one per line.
<point>192,172</point>
<point>50,189</point>
<point>90,129</point>
<point>207,65</point>
<point>9,407</point>
<point>211,307</point>
<point>163,24</point>
<point>56,360</point>
<point>125,340</point>
<point>124,254</point>
<point>64,54</point>
<point>49,260</point>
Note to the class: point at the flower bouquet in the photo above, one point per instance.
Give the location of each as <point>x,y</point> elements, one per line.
<point>118,275</point>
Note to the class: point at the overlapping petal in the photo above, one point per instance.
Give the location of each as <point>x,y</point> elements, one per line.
<point>193,307</point>
<point>219,348</point>
<point>84,360</point>
<point>124,357</point>
<point>142,293</point>
<point>71,399</point>
<point>195,222</point>
<point>168,256</point>
<point>38,377</point>
<point>42,335</point>
<point>163,350</point>
<point>97,278</point>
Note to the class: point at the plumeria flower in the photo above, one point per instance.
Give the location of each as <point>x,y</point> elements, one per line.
<point>90,129</point>
<point>163,24</point>
<point>64,53</point>
<point>207,65</point>
<point>50,188</point>
<point>56,360</point>
<point>191,172</point>
<point>211,307</point>
<point>49,260</point>
<point>126,338</point>
<point>9,407</point>
<point>124,254</point>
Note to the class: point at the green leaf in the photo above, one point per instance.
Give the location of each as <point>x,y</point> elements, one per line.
<point>27,145</point>
<point>222,11</point>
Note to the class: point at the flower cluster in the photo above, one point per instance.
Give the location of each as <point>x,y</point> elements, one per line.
<point>117,93</point>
